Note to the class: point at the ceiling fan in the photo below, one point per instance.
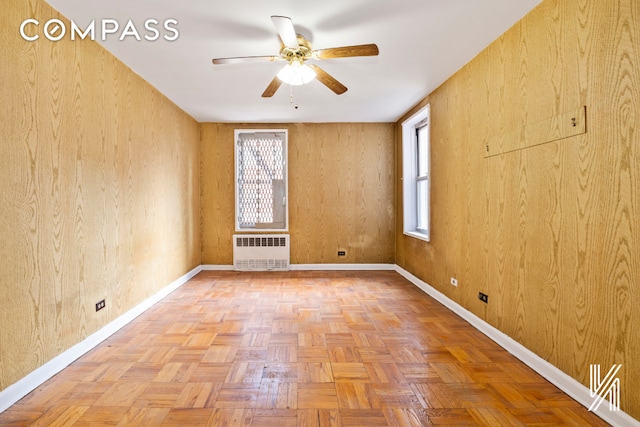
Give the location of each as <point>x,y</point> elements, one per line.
<point>296,50</point>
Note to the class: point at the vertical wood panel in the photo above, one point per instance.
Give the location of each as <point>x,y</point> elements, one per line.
<point>341,191</point>
<point>99,197</point>
<point>550,232</point>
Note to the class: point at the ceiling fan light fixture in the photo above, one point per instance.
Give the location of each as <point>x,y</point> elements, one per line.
<point>296,73</point>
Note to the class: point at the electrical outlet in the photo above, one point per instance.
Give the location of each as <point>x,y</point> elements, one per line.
<point>342,253</point>
<point>483,297</point>
<point>100,305</point>
<point>454,281</point>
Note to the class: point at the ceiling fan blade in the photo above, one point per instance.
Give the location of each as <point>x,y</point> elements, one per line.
<point>272,88</point>
<point>347,51</point>
<point>327,80</point>
<point>245,59</point>
<point>286,31</point>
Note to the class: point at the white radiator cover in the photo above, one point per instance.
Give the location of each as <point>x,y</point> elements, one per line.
<point>261,252</point>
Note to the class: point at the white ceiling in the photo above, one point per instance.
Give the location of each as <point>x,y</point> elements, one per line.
<point>421,42</point>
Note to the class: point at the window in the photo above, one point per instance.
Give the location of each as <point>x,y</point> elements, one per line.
<point>261,180</point>
<point>416,175</point>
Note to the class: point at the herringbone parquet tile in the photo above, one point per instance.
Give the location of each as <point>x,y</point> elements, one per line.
<point>298,349</point>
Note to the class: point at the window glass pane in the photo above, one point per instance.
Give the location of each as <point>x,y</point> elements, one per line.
<point>422,187</point>
<point>261,180</point>
<point>423,151</point>
<point>416,160</point>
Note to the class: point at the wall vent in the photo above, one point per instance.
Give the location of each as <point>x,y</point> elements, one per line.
<point>267,252</point>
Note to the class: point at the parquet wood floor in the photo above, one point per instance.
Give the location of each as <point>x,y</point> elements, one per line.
<point>298,349</point>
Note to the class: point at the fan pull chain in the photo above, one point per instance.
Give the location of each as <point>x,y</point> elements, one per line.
<point>291,98</point>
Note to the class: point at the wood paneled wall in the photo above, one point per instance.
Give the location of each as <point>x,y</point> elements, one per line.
<point>341,193</point>
<point>551,233</point>
<point>99,187</point>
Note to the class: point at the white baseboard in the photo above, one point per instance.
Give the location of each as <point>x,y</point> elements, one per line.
<point>554,375</point>
<point>342,267</point>
<point>215,267</point>
<point>27,384</point>
<point>316,267</point>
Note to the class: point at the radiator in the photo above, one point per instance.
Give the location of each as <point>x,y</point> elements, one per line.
<point>261,252</point>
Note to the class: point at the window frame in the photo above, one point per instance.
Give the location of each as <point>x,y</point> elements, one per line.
<point>236,152</point>
<point>410,177</point>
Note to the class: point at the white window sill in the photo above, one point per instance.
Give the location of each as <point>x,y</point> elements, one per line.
<point>262,230</point>
<point>417,235</point>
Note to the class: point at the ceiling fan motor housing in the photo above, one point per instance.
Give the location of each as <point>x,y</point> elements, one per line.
<point>301,53</point>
